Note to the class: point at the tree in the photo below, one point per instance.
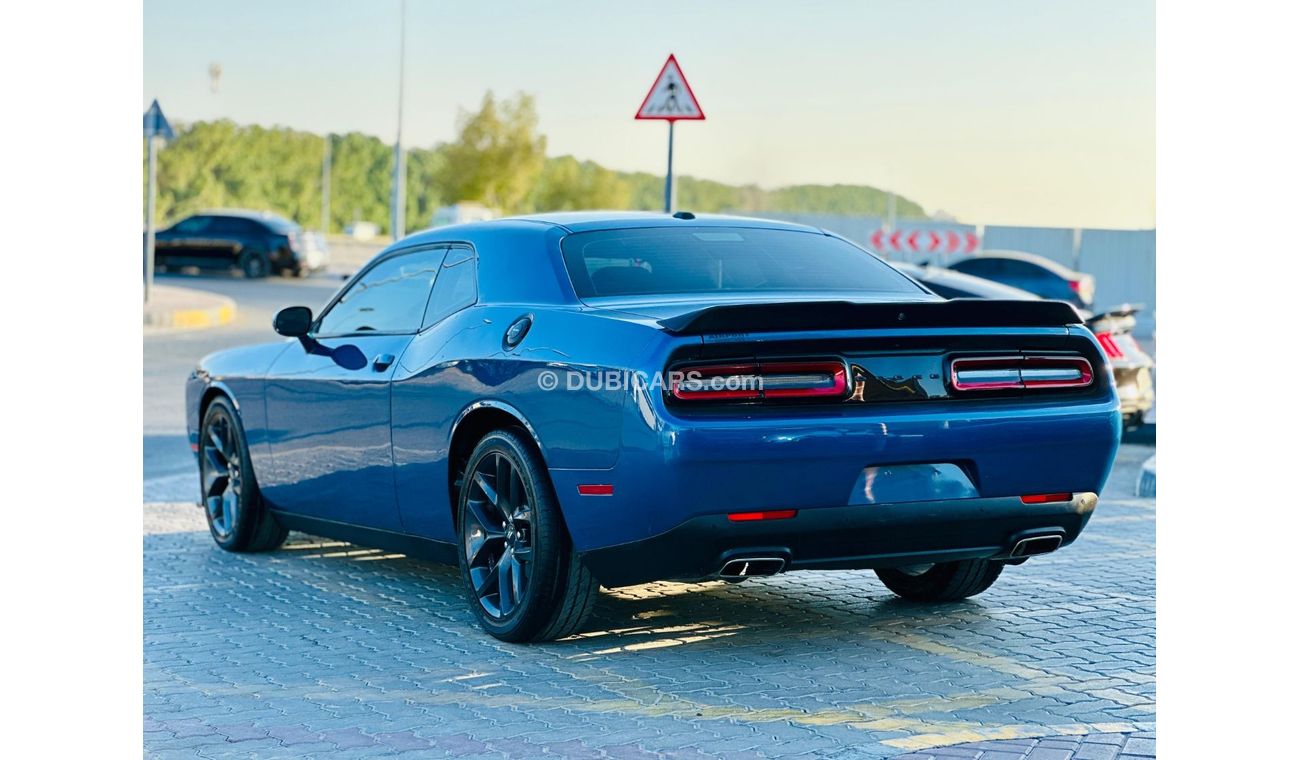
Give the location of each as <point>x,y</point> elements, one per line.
<point>497,155</point>
<point>566,184</point>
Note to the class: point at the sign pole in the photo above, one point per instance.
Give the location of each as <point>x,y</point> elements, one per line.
<point>670,99</point>
<point>668,180</point>
<point>149,225</point>
<point>156,129</point>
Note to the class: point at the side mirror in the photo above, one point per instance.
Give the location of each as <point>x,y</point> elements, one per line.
<point>293,321</point>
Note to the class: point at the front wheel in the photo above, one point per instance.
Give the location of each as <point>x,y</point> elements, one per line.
<point>237,518</point>
<point>516,559</point>
<point>943,581</point>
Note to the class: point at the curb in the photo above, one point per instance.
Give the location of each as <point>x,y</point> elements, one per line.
<point>215,311</point>
<point>1146,483</point>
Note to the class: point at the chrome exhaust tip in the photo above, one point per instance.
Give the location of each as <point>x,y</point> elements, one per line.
<point>748,567</point>
<point>1034,545</point>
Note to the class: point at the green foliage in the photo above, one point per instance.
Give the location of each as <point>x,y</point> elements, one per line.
<point>498,159</point>
<point>567,184</point>
<point>497,156</point>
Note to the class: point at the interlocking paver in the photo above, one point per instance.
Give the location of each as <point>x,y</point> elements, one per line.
<point>326,650</point>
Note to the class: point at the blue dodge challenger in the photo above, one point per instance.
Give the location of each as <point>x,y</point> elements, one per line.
<point>572,400</point>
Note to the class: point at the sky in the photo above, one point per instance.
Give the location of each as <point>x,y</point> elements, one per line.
<point>993,111</point>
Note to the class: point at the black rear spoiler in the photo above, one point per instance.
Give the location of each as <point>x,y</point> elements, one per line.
<point>846,315</point>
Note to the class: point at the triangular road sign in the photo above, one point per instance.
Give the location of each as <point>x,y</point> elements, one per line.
<point>155,124</point>
<point>671,98</point>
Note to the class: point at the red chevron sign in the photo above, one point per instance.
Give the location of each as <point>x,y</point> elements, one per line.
<point>924,241</point>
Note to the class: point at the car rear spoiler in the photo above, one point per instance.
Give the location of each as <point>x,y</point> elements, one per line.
<point>846,315</point>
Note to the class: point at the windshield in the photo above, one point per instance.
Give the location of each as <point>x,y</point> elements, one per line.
<point>717,260</point>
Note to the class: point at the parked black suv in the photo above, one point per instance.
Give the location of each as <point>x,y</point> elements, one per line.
<point>255,243</point>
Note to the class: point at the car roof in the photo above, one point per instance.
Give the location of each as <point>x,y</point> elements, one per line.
<point>962,281</point>
<point>243,213</point>
<point>583,221</point>
<point>1031,258</point>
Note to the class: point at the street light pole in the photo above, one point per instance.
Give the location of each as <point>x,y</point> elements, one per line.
<point>398,214</point>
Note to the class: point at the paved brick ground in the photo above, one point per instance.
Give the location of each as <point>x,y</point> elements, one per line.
<point>325,649</point>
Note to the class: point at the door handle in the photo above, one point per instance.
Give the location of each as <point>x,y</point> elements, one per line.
<point>383,362</point>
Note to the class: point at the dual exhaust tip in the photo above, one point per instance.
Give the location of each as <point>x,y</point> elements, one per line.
<point>1028,547</point>
<point>748,567</point>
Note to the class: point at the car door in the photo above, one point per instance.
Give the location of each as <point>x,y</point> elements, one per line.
<point>178,244</point>
<point>328,398</point>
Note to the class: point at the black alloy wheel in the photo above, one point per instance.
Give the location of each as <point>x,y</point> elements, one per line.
<point>516,558</point>
<point>498,535</point>
<point>255,265</point>
<point>237,518</point>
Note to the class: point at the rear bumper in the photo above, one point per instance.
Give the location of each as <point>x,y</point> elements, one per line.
<point>851,537</point>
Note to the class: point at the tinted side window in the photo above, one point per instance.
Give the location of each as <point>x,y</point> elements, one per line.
<point>1023,270</point>
<point>389,298</point>
<point>231,226</point>
<point>193,225</point>
<point>979,267</point>
<point>456,288</point>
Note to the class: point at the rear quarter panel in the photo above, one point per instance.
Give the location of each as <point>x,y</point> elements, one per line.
<point>557,381</point>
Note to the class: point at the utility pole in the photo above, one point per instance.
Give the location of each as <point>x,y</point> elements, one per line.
<point>398,214</point>
<point>325,186</point>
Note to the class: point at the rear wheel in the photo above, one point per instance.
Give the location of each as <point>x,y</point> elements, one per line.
<point>237,518</point>
<point>254,264</point>
<point>516,559</point>
<point>941,582</point>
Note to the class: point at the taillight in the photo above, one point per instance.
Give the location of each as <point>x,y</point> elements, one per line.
<point>1075,285</point>
<point>759,381</point>
<point>1109,345</point>
<point>999,373</point>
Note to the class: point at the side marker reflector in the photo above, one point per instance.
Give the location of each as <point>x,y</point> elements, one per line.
<point>1045,498</point>
<point>771,514</point>
<point>596,489</point>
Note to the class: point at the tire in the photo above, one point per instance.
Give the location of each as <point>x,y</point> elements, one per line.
<point>544,592</point>
<point>237,517</point>
<point>254,264</point>
<point>942,582</point>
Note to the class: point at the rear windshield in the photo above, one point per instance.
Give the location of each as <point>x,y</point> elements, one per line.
<point>658,261</point>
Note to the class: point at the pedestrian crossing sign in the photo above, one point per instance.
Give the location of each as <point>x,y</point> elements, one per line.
<point>671,98</point>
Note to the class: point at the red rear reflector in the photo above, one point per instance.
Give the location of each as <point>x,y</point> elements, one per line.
<point>763,380</point>
<point>596,489</point>
<point>1109,345</point>
<point>771,514</point>
<point>1045,498</point>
